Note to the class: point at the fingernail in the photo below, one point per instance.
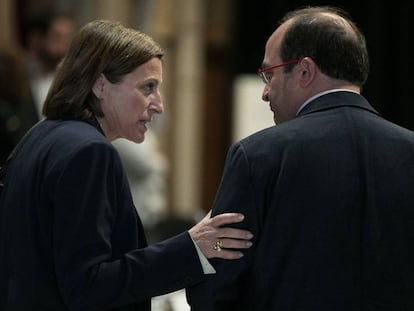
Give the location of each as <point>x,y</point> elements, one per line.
<point>241,216</point>
<point>249,235</point>
<point>241,255</point>
<point>249,244</point>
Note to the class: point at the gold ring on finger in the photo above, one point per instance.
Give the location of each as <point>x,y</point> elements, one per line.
<point>218,246</point>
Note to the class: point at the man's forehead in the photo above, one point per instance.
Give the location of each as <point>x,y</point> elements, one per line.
<point>273,43</point>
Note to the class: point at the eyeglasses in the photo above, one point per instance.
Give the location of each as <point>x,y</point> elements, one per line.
<point>265,73</point>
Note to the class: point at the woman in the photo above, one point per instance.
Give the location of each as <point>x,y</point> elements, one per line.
<point>70,236</point>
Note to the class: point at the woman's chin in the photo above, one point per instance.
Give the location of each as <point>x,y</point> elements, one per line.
<point>139,140</point>
<point>135,138</point>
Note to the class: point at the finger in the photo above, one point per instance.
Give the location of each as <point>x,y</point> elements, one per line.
<point>238,244</point>
<point>234,233</point>
<point>227,218</point>
<point>227,254</point>
<point>208,215</point>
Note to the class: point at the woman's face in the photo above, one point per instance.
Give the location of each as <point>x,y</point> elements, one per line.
<point>130,104</point>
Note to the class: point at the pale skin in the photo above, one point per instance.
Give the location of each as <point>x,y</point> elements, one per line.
<point>286,92</point>
<point>128,107</point>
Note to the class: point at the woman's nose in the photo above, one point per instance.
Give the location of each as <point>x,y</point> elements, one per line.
<point>160,107</point>
<point>157,106</point>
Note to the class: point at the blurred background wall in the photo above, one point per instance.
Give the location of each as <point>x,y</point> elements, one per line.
<point>213,49</point>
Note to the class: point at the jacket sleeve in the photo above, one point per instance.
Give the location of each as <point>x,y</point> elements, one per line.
<point>86,202</point>
<point>223,290</point>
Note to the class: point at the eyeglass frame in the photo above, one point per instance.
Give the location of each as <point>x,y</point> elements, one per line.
<point>262,71</point>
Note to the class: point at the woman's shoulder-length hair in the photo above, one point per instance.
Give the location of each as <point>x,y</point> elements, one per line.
<point>100,47</point>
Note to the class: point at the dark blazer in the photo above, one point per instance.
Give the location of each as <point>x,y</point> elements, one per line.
<point>329,197</point>
<point>70,237</point>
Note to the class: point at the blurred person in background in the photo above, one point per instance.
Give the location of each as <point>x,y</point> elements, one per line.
<point>17,112</point>
<point>47,36</point>
<point>70,236</point>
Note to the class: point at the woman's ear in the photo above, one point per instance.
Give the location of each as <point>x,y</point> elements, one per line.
<point>98,86</point>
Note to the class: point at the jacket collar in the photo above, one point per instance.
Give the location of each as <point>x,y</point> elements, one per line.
<point>336,100</point>
<point>95,123</point>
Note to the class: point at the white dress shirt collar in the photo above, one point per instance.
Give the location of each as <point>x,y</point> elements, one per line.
<point>320,94</point>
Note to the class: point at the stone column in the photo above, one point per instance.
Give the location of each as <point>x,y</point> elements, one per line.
<point>188,103</point>
<point>7,23</point>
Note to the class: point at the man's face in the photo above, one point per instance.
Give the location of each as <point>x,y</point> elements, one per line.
<point>280,89</point>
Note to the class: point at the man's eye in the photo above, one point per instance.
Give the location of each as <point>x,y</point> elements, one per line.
<point>268,76</point>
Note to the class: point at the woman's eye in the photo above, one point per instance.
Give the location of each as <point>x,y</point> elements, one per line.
<point>149,88</point>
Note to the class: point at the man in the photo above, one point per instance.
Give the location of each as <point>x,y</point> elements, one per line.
<point>48,36</point>
<point>328,192</point>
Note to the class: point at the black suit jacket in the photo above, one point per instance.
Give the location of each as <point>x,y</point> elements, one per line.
<point>70,237</point>
<point>330,199</point>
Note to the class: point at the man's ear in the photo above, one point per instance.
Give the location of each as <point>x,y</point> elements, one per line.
<point>307,69</point>
<point>98,86</point>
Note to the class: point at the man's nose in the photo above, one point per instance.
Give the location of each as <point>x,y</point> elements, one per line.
<point>265,94</point>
